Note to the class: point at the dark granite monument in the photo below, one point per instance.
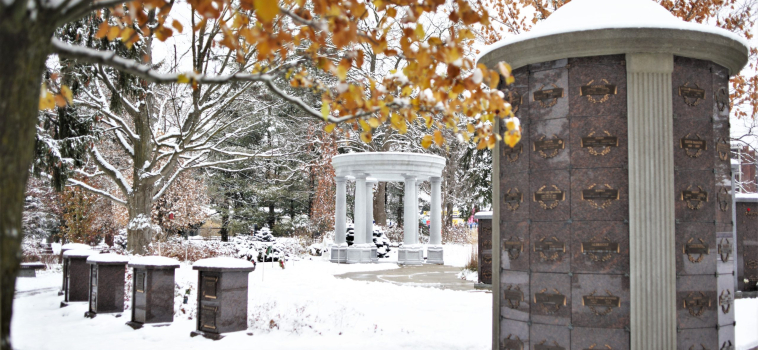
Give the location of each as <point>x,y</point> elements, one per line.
<point>106,283</point>
<point>614,211</point>
<point>222,296</point>
<point>484,246</point>
<point>29,269</point>
<point>153,290</point>
<point>64,263</point>
<point>747,243</point>
<point>77,275</point>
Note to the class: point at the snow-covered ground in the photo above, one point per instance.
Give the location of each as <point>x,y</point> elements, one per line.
<point>301,307</point>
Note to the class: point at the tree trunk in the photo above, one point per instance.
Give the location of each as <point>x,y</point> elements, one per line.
<point>25,49</point>
<point>224,231</point>
<point>140,228</point>
<point>380,211</point>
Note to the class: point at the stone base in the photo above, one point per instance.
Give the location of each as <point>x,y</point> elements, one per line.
<point>434,255</point>
<point>64,304</point>
<point>27,273</point>
<point>360,255</point>
<point>410,256</point>
<point>135,325</point>
<point>374,255</point>
<point>61,293</point>
<point>90,314</point>
<point>213,336</point>
<point>338,254</point>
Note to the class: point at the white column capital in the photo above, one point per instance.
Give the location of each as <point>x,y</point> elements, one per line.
<point>435,180</point>
<point>340,179</point>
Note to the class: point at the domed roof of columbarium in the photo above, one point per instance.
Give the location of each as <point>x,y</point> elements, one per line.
<point>584,28</point>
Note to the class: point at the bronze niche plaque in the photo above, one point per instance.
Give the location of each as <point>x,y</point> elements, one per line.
<point>549,197</point>
<point>514,247</point>
<point>513,296</point>
<point>513,198</point>
<point>550,249</point>
<point>725,249</point>
<point>692,248</point>
<point>209,287</point>
<point>550,302</point>
<point>751,214</point>
<point>599,145</point>
<point>723,197</point>
<point>513,153</point>
<point>544,346</point>
<point>721,96</point>
<point>693,146</point>
<point>725,300</point>
<point>695,198</point>
<point>696,303</point>
<point>590,91</point>
<point>723,148</point>
<point>548,97</point>
<point>512,343</point>
<point>139,284</point>
<point>594,302</point>
<point>514,98</point>
<point>601,250</point>
<point>548,148</point>
<point>692,95</point>
<point>600,198</point>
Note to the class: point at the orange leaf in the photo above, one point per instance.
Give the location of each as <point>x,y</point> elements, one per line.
<point>426,141</point>
<point>266,10</point>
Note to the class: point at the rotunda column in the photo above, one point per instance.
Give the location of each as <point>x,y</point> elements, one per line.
<point>338,249</point>
<point>434,251</point>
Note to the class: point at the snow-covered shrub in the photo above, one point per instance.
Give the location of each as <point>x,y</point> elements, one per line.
<point>457,234</point>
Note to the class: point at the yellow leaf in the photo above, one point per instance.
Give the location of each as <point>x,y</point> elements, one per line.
<point>266,10</point>
<point>504,68</point>
<point>325,109</point>
<point>46,99</point>
<point>510,80</point>
<point>494,80</point>
<point>426,141</point>
<point>373,122</point>
<point>60,101</point>
<point>329,127</point>
<point>67,94</point>
<point>113,33</point>
<point>342,72</point>
<point>366,136</point>
<point>391,12</point>
<point>364,125</point>
<point>491,141</point>
<point>438,139</point>
<point>182,79</point>
<point>512,138</point>
<point>470,128</point>
<point>178,26</point>
<point>420,32</point>
<point>510,125</point>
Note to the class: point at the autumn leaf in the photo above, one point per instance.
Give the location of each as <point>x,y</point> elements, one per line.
<point>46,99</point>
<point>67,94</point>
<point>266,10</point>
<point>366,136</point>
<point>426,141</point>
<point>182,79</point>
<point>512,138</point>
<point>178,26</point>
<point>329,127</point>
<point>373,122</point>
<point>438,139</point>
<point>325,109</point>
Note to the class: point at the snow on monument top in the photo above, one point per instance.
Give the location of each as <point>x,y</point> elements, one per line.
<point>583,15</point>
<point>607,27</point>
<point>113,259</point>
<point>223,263</point>
<point>80,252</point>
<point>154,261</point>
<point>72,246</point>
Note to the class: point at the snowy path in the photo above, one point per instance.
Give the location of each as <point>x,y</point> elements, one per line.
<point>309,307</point>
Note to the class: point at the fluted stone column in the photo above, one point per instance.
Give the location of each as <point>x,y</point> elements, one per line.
<point>370,219</point>
<point>651,201</point>
<point>359,252</point>
<point>434,251</point>
<point>411,253</point>
<point>338,250</point>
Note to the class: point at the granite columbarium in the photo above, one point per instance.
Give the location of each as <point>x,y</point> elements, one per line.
<point>152,290</point>
<point>76,275</point>
<point>617,197</point>
<point>222,296</point>
<point>106,283</point>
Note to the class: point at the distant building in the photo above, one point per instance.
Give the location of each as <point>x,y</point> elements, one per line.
<point>746,179</point>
